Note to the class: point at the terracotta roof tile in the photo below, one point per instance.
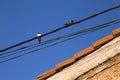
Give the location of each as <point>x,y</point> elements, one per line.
<point>116,32</point>
<point>65,63</point>
<point>46,74</point>
<point>96,45</point>
<point>84,52</point>
<point>100,42</point>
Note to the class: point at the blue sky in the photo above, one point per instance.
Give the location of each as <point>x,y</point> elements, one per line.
<point>22,19</point>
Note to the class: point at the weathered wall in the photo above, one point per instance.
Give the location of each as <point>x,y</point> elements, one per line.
<point>109,70</point>
<point>89,62</point>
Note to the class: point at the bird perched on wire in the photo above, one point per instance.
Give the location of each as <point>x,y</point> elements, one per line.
<point>70,23</point>
<point>39,37</point>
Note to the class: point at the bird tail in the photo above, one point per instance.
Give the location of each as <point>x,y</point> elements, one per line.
<point>39,40</point>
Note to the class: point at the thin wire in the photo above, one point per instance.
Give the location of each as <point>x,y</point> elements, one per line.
<point>48,46</point>
<point>32,51</point>
<point>58,29</point>
<point>38,49</point>
<point>64,36</point>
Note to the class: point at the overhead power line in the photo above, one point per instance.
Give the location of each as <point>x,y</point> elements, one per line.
<point>65,26</point>
<point>64,38</point>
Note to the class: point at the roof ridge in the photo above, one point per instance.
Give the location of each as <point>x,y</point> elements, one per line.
<point>96,45</point>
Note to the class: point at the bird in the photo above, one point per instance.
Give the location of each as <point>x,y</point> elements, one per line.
<point>70,23</point>
<point>39,37</point>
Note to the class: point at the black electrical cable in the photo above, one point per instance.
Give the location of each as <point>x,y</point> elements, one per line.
<point>88,30</point>
<point>65,26</point>
<point>33,51</point>
<point>64,36</point>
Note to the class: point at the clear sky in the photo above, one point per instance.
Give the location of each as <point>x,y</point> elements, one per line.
<point>23,19</point>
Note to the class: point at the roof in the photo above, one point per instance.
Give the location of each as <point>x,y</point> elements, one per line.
<point>96,45</point>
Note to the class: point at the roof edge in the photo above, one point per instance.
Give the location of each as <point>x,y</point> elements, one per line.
<point>96,45</point>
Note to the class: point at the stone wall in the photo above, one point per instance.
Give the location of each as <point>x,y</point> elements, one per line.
<point>109,70</point>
